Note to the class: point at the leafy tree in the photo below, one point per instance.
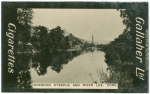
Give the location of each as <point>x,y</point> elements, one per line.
<point>24,19</point>
<point>67,42</point>
<point>121,51</point>
<point>57,34</point>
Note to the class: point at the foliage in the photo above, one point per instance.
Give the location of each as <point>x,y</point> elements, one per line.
<point>120,53</point>
<point>24,22</point>
<point>45,41</point>
<point>122,49</point>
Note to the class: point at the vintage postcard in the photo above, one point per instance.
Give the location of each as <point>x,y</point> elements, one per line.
<point>97,47</point>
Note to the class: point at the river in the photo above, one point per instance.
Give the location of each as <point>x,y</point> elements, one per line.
<point>61,67</point>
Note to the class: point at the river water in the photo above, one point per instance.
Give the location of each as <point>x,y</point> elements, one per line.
<point>61,67</point>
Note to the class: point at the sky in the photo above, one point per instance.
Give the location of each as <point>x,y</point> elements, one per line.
<point>103,24</point>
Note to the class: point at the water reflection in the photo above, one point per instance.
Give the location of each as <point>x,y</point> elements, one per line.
<point>55,59</point>
<point>59,66</point>
<point>23,66</point>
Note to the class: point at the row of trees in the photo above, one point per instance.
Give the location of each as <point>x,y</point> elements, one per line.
<point>122,49</point>
<point>44,41</point>
<point>121,53</point>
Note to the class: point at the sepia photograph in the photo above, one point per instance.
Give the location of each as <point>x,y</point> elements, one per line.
<point>75,47</point>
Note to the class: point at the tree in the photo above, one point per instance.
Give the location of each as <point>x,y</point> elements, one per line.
<point>67,42</point>
<point>24,19</point>
<point>57,34</point>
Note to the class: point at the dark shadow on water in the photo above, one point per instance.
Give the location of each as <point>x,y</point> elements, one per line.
<point>40,62</point>
<point>23,71</point>
<point>55,59</point>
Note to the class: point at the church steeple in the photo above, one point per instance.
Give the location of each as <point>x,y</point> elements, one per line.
<point>92,39</point>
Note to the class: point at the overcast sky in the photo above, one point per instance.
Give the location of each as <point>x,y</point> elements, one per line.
<point>104,24</point>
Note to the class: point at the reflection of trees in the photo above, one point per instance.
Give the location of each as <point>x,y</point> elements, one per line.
<point>55,59</point>
<point>23,66</point>
<point>40,62</point>
<point>58,61</point>
<point>24,79</point>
